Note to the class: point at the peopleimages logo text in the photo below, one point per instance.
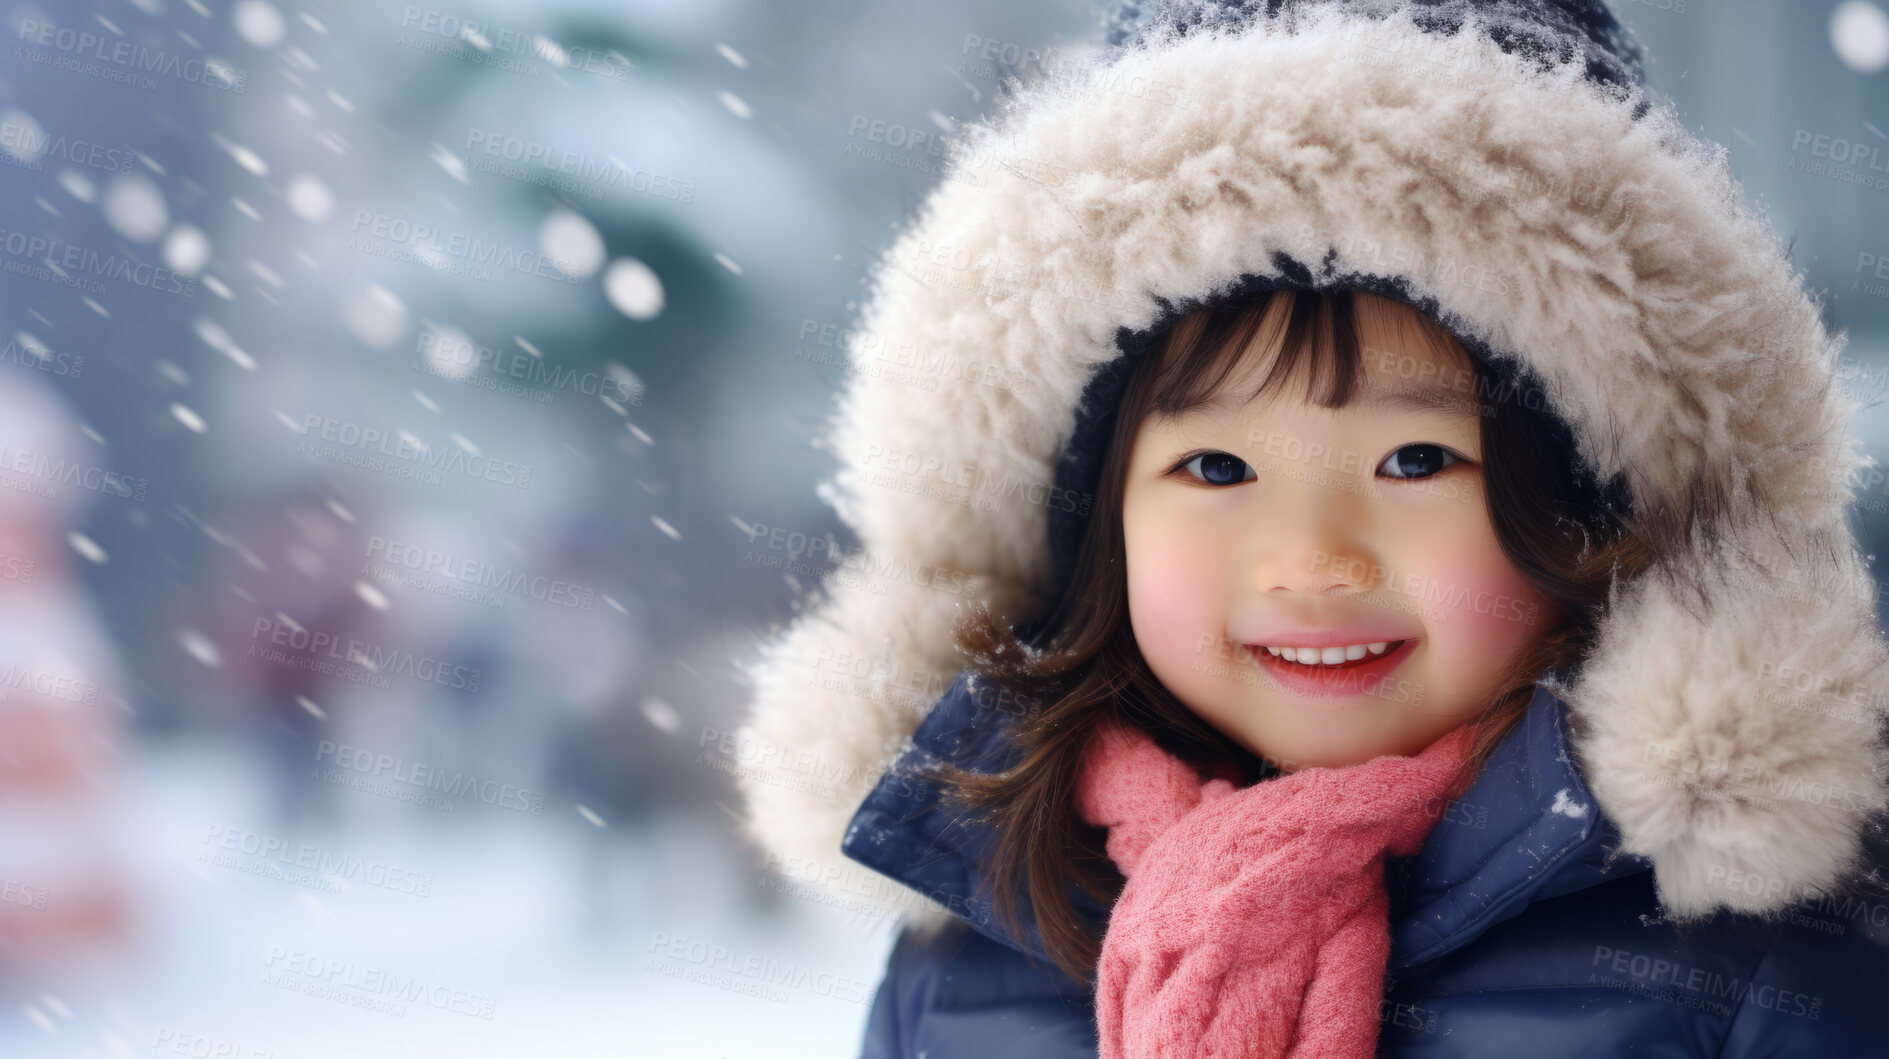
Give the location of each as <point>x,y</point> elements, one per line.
<point>29,147</point>
<point>403,446</point>
<point>430,777</point>
<point>487,37</point>
<point>78,259</point>
<point>130,57</point>
<point>607,171</point>
<point>458,246</point>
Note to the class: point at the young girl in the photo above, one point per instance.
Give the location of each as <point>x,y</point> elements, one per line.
<point>1383,502</point>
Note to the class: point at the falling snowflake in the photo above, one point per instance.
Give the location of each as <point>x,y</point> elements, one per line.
<point>243,156</point>
<point>661,716</point>
<point>217,338</point>
<point>258,23</point>
<point>189,418</point>
<point>309,198</point>
<point>25,141</point>
<point>186,249</point>
<point>136,208</point>
<point>87,547</point>
<point>372,596</point>
<point>572,243</point>
<point>199,647</point>
<point>449,161</point>
<point>1859,32</point>
<point>633,289</point>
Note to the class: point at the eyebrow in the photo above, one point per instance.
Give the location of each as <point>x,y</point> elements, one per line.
<point>1428,402</point>
<point>1431,402</point>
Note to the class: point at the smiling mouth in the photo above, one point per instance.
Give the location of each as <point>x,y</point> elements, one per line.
<point>1349,683</point>
<point>1289,656</point>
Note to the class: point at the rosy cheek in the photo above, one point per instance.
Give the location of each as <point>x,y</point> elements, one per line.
<point>1172,588</point>
<point>1490,610</point>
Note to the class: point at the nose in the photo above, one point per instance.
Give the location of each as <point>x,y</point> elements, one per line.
<point>1310,538</point>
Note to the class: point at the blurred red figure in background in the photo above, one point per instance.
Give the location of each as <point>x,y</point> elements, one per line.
<point>66,905</point>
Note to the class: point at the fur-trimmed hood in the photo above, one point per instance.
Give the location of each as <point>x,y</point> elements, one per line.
<point>1497,164</point>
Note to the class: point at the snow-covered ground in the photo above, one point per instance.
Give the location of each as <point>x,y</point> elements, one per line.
<point>504,935</point>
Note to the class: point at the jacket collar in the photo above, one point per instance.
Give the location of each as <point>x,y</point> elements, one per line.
<point>1527,829</point>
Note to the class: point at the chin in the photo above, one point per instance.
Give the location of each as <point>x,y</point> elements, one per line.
<point>1313,752</point>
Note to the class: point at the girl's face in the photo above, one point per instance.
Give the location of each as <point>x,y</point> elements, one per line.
<point>1283,524</point>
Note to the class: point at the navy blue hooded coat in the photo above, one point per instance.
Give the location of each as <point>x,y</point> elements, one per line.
<point>1672,854</point>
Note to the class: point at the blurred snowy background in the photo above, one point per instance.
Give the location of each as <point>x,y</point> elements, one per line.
<point>389,394</point>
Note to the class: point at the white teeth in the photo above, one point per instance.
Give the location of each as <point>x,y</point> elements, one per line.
<point>1330,656</point>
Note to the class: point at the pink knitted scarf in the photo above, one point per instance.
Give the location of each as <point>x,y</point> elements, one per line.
<point>1255,921</point>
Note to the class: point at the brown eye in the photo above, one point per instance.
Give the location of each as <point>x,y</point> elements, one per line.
<point>1219,468</point>
<point>1418,461</point>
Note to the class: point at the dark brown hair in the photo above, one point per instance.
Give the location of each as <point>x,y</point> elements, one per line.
<point>1081,665</point>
